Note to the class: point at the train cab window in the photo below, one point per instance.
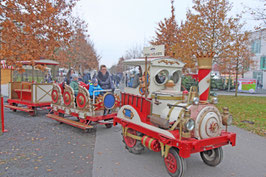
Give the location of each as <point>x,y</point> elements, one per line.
<point>176,76</point>
<point>133,76</point>
<point>161,77</point>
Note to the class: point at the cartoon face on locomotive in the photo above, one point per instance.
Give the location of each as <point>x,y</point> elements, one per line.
<point>155,114</point>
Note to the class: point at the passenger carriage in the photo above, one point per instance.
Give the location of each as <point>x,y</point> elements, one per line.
<point>158,116</point>
<point>87,110</point>
<point>29,96</point>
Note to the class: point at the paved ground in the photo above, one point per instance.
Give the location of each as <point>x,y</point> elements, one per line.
<point>111,159</point>
<point>41,147</point>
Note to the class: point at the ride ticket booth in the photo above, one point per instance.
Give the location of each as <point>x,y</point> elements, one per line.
<point>28,96</point>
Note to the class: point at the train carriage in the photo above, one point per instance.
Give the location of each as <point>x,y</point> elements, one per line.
<point>156,115</point>
<point>87,109</point>
<point>29,96</point>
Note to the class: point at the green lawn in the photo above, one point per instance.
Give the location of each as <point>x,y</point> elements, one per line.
<point>246,110</point>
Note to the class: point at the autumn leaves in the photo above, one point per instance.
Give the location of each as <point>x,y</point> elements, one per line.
<point>31,30</point>
<point>207,27</point>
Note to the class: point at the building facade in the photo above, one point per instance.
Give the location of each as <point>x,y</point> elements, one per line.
<point>258,47</point>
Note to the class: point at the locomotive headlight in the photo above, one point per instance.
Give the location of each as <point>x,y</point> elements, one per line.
<point>214,100</point>
<point>195,100</point>
<point>230,120</point>
<point>227,120</point>
<point>189,124</point>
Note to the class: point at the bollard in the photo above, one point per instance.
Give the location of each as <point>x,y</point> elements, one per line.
<point>2,116</point>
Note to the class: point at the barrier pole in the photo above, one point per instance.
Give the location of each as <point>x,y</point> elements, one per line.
<point>2,115</point>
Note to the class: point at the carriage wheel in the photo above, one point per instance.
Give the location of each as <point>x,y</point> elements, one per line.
<point>34,112</point>
<point>14,104</point>
<point>134,146</point>
<point>108,125</point>
<point>175,165</point>
<point>212,157</point>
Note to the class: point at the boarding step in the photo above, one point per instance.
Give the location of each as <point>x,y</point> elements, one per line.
<point>69,122</point>
<point>19,108</point>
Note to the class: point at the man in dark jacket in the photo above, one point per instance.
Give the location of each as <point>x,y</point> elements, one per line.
<point>104,79</point>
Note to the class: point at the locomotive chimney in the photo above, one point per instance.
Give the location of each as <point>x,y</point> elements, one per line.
<point>204,73</point>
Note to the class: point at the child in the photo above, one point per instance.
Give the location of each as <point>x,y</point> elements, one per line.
<point>93,87</point>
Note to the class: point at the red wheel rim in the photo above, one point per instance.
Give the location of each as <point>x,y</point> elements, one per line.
<point>80,99</point>
<point>170,163</point>
<point>67,102</point>
<point>54,98</point>
<point>130,142</point>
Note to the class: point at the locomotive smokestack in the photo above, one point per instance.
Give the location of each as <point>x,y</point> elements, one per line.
<point>204,74</point>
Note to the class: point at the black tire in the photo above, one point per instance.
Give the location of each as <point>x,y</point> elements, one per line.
<point>212,157</point>
<point>14,104</point>
<point>108,125</point>
<point>34,112</point>
<point>61,114</point>
<point>174,164</point>
<point>137,148</point>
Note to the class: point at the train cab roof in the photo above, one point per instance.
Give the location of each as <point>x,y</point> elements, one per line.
<point>160,61</point>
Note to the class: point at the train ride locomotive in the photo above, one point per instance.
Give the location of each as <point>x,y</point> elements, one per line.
<point>158,116</point>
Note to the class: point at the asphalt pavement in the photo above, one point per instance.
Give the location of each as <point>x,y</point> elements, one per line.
<point>41,147</point>
<point>111,159</point>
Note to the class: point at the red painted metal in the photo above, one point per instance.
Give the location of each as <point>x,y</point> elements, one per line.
<point>2,115</point>
<point>140,104</point>
<point>170,163</point>
<point>78,98</point>
<point>65,100</point>
<point>151,143</point>
<point>186,146</point>
<point>54,92</point>
<point>204,73</point>
<point>85,121</point>
<point>130,142</point>
<point>28,103</point>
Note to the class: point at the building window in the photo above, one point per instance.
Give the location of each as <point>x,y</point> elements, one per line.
<point>255,46</point>
<point>263,63</point>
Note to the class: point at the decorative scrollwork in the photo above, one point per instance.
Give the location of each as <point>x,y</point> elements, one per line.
<point>56,94</point>
<point>69,97</point>
<point>83,99</point>
<point>142,81</point>
<point>168,62</point>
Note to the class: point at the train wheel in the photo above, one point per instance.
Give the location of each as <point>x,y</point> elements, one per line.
<point>108,125</point>
<point>212,157</point>
<point>14,104</point>
<point>175,165</point>
<point>134,146</point>
<point>34,112</point>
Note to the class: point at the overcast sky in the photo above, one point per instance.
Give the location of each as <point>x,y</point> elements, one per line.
<point>117,25</point>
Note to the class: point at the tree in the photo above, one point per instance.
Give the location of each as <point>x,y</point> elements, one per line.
<point>205,29</point>
<point>134,52</point>
<point>33,29</point>
<point>167,33</point>
<point>259,13</point>
<point>240,54</point>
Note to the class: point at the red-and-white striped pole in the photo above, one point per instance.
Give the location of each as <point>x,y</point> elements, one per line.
<point>204,74</point>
